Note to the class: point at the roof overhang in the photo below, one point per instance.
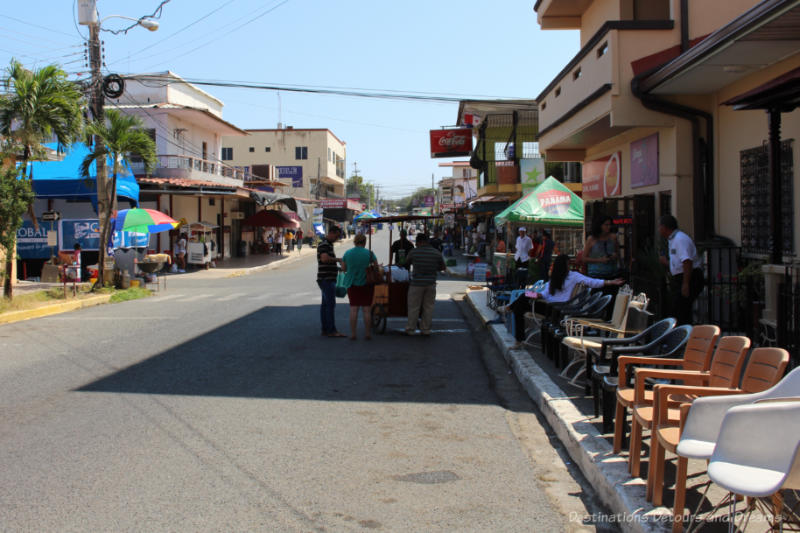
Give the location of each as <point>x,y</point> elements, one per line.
<point>782,93</point>
<point>202,117</point>
<point>763,36</point>
<point>483,108</point>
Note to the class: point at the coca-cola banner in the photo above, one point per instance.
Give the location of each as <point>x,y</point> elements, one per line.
<point>451,143</point>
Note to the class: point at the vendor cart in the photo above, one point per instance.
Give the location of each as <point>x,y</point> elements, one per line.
<point>202,247</point>
<point>391,298</point>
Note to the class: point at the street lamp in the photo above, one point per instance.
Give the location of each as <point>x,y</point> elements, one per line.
<point>87,15</point>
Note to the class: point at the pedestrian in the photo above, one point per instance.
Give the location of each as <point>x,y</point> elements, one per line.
<point>558,289</point>
<point>401,248</point>
<point>548,244</point>
<point>289,238</point>
<point>270,243</point>
<point>685,267</point>
<point>299,237</point>
<point>522,248</point>
<point>436,240</point>
<point>327,270</point>
<point>601,250</point>
<point>180,252</point>
<point>426,262</point>
<point>279,242</point>
<point>354,263</point>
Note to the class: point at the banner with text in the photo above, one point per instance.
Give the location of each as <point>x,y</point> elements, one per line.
<point>451,143</point>
<point>293,173</point>
<point>602,177</point>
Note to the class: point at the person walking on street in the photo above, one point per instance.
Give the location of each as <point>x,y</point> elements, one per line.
<point>299,237</point>
<point>426,262</point>
<point>354,263</point>
<point>327,270</point>
<point>180,252</point>
<point>401,248</point>
<point>685,266</point>
<point>522,248</point>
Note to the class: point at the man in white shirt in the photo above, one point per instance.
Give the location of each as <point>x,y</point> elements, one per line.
<point>685,266</point>
<point>523,247</point>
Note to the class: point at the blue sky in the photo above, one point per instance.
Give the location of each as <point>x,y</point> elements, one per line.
<point>461,49</point>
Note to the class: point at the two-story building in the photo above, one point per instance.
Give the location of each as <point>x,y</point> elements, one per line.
<point>190,181</point>
<point>676,106</point>
<point>309,162</point>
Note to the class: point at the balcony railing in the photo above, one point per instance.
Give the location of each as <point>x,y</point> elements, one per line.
<point>195,168</point>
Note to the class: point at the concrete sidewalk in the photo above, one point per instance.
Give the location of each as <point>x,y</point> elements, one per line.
<point>607,472</point>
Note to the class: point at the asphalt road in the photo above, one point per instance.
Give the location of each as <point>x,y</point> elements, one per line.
<point>217,406</point>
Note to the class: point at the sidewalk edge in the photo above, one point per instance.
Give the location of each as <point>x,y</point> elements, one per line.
<point>46,310</point>
<point>606,472</point>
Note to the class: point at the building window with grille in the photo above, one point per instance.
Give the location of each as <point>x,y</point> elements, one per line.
<point>756,208</point>
<point>227,154</point>
<point>267,149</point>
<point>301,152</point>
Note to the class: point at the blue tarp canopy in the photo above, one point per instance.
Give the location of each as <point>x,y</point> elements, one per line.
<point>62,179</point>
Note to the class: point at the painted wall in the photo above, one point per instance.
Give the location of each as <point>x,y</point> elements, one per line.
<point>706,16</point>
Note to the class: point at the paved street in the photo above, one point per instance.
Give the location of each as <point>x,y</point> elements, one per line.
<point>217,406</point>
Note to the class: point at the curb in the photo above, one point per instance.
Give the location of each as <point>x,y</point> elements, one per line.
<point>16,316</point>
<point>605,471</point>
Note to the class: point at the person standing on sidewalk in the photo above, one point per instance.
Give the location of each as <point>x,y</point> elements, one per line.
<point>685,266</point>
<point>279,242</point>
<point>299,237</point>
<point>523,248</point>
<point>426,261</point>
<point>355,262</point>
<point>327,270</point>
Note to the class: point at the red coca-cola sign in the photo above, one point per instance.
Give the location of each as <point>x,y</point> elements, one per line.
<point>451,143</point>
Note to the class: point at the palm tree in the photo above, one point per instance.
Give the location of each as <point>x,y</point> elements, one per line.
<point>121,137</point>
<point>37,106</point>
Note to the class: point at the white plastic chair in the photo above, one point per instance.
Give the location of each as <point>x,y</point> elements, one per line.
<point>702,427</point>
<point>757,452</point>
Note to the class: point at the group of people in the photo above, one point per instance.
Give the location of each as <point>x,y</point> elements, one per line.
<point>424,261</point>
<point>276,238</point>
<point>538,249</point>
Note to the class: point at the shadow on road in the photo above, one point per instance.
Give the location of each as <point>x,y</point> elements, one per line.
<point>276,353</point>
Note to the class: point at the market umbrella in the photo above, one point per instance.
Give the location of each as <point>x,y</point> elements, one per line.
<point>549,204</point>
<point>139,220</point>
<point>364,215</point>
<point>271,219</point>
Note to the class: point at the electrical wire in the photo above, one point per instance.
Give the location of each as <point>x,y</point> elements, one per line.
<point>156,15</point>
<point>134,54</point>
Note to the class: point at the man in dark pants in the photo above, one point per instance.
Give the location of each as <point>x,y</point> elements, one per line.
<point>685,267</point>
<point>327,270</point>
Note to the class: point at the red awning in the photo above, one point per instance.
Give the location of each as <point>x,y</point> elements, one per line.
<point>271,219</point>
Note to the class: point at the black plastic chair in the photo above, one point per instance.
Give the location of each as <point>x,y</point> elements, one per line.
<point>669,344</point>
<point>557,311</point>
<point>602,367</point>
<point>589,311</point>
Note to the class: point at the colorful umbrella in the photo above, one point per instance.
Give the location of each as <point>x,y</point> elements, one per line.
<point>364,215</point>
<point>143,221</point>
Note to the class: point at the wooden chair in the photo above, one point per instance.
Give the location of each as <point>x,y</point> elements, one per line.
<point>725,371</point>
<point>691,360</point>
<point>764,370</point>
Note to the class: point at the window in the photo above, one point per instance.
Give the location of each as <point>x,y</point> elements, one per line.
<point>601,51</point>
<point>558,92</point>
<point>301,152</point>
<point>227,154</point>
<point>756,195</point>
<point>543,106</point>
<point>267,149</point>
<point>252,149</point>
<point>260,172</point>
<point>576,74</point>
<point>329,155</point>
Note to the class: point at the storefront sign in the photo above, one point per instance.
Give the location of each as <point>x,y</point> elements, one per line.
<point>340,203</point>
<point>532,173</point>
<point>622,220</point>
<point>83,231</point>
<point>32,243</point>
<point>451,143</point>
<point>429,201</point>
<point>644,162</point>
<point>293,173</point>
<point>602,177</point>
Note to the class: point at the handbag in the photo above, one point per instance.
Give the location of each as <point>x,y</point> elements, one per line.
<point>341,285</point>
<point>374,274</point>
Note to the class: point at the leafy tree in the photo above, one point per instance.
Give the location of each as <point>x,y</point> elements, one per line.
<point>16,195</point>
<point>417,198</point>
<point>37,105</point>
<point>121,137</point>
<point>356,186</point>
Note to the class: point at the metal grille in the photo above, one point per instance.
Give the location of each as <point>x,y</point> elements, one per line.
<point>755,197</point>
<point>788,323</point>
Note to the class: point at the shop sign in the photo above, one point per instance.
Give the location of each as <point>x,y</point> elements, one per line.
<point>33,243</point>
<point>532,173</point>
<point>451,143</point>
<point>622,220</point>
<point>83,231</point>
<point>429,201</point>
<point>554,202</point>
<point>644,162</point>
<point>333,203</point>
<point>294,173</point>
<point>602,177</point>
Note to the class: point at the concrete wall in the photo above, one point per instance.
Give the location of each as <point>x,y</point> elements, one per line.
<point>706,16</point>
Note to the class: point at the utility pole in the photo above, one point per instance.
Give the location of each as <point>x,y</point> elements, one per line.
<point>97,103</point>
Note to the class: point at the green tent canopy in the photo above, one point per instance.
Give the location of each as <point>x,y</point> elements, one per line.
<point>549,204</point>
